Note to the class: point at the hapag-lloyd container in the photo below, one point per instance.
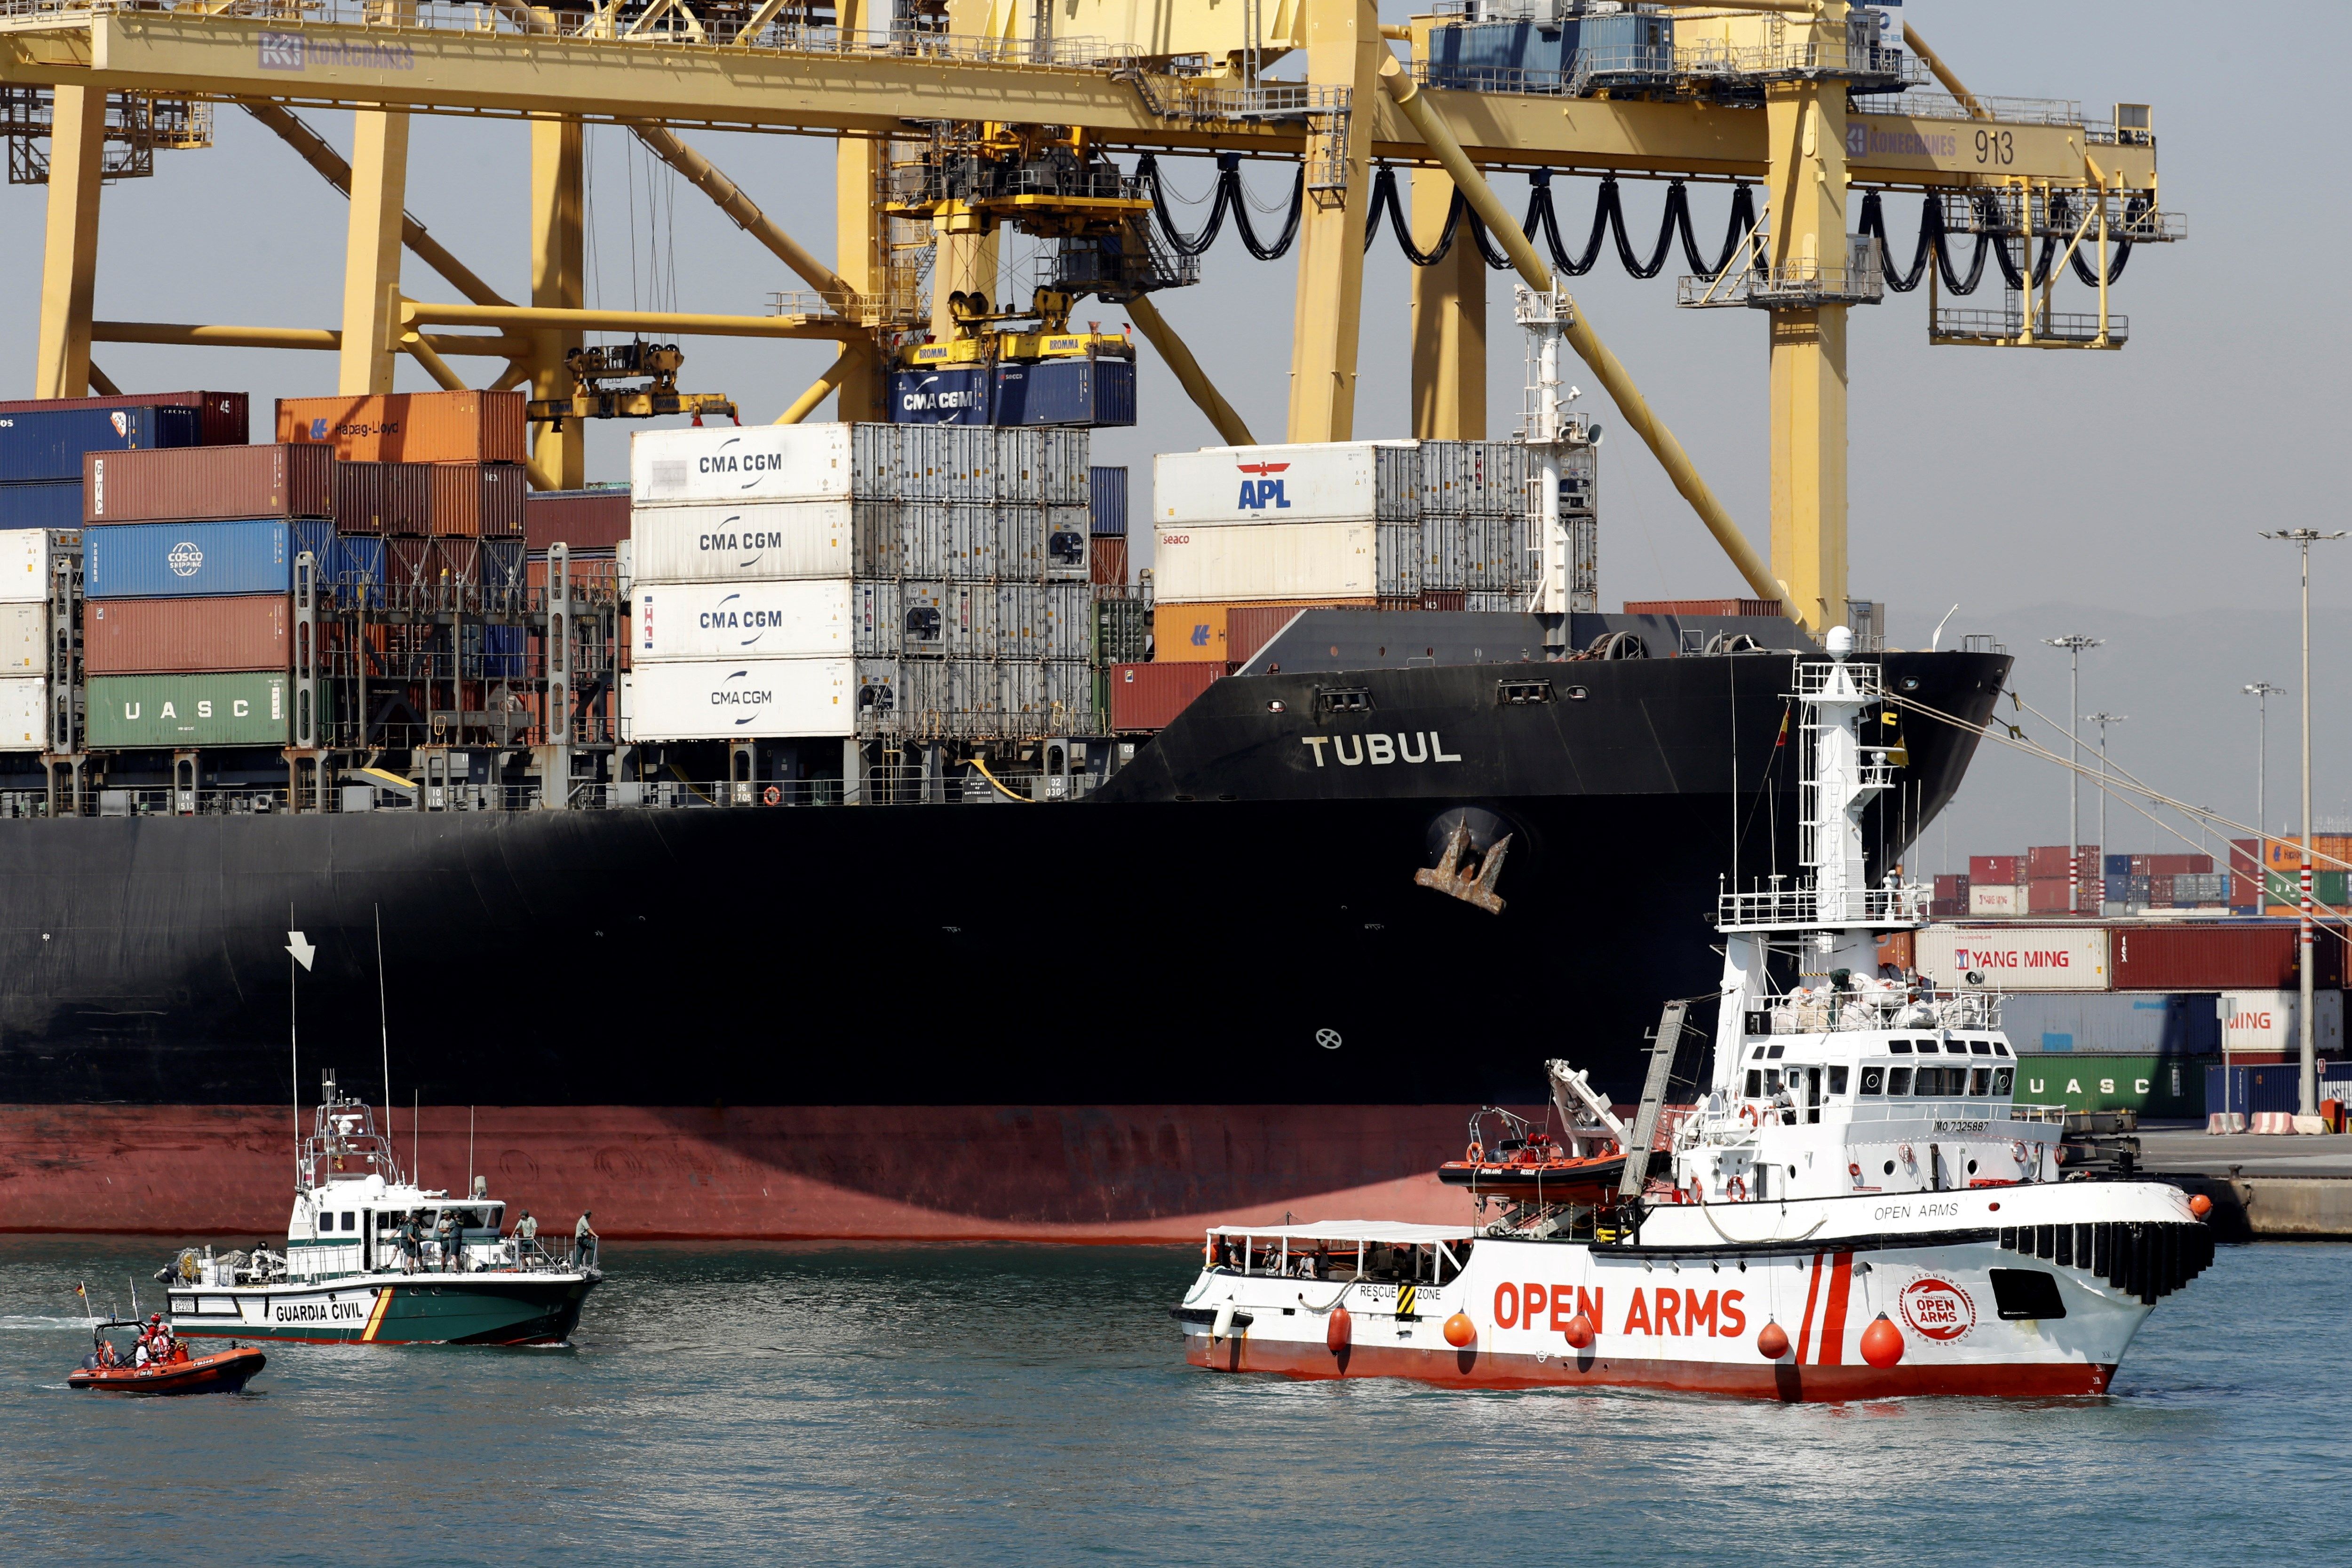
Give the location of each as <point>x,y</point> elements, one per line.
<point>767,699</point>
<point>154,560</point>
<point>1331,481</point>
<point>24,712</point>
<point>410,426</point>
<point>792,619</point>
<point>1286,560</point>
<point>50,443</point>
<point>179,711</point>
<point>2015,958</point>
<point>23,637</point>
<point>184,484</point>
<point>187,637</point>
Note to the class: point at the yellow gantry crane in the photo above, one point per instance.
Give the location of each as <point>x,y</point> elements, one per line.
<point>1791,95</point>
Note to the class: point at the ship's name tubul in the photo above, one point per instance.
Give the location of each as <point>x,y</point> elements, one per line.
<point>1356,751</point>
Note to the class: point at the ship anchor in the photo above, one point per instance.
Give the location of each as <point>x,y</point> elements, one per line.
<point>1474,886</point>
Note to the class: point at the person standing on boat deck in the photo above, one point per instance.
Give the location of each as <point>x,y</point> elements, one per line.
<point>583,1243</point>
<point>451,1234</point>
<point>412,1244</point>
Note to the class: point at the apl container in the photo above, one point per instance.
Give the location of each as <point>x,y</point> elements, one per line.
<point>221,417</point>
<point>47,503</point>
<point>747,620</point>
<point>49,443</point>
<point>1336,481</point>
<point>181,711</point>
<point>584,520</point>
<point>158,560</point>
<point>186,636</point>
<point>410,426</point>
<point>710,700</point>
<point>188,483</point>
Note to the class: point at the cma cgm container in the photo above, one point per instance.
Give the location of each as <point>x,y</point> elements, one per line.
<point>951,395</point>
<point>222,417</point>
<point>2153,1086</point>
<point>181,710</point>
<point>747,620</point>
<point>187,483</point>
<point>583,519</point>
<point>157,560</point>
<point>176,637</point>
<point>894,463</point>
<point>24,562</point>
<point>740,699</point>
<point>49,443</point>
<point>1337,481</point>
<point>410,426</point>
<point>50,503</point>
<point>731,545</point>
<point>2015,958</point>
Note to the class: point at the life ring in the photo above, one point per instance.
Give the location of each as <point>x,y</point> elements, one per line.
<point>770,795</point>
<point>1475,1154</point>
<point>1209,1252</point>
<point>1905,1150</point>
<point>1749,1114</point>
<point>2017,1150</point>
<point>1735,1190</point>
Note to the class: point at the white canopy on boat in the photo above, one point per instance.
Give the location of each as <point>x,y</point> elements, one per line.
<point>1351,1230</point>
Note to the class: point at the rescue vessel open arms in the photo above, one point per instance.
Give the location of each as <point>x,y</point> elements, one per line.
<point>1856,1208</point>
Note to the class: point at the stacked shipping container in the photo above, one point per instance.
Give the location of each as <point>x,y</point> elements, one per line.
<point>833,580</point>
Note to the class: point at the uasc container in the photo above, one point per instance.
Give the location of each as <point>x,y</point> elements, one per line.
<point>183,711</point>
<point>191,483</point>
<point>410,426</point>
<point>50,443</point>
<point>186,636</point>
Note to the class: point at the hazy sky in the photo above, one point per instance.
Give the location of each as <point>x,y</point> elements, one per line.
<point>2116,494</point>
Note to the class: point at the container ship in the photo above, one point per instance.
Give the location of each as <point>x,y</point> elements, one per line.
<point>648,873</point>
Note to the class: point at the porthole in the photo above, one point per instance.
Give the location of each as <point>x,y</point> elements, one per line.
<point>1890,1167</point>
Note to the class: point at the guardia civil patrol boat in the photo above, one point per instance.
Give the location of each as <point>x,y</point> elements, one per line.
<point>346,1273</point>
<point>1853,1203</point>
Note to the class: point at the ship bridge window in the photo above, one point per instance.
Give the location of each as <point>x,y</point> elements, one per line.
<point>1874,1080</point>
<point>1928,1047</point>
<point>1999,1048</point>
<point>1343,700</point>
<point>1837,1080</point>
<point>1930,1081</point>
<point>2002,1078</point>
<point>1898,1081</point>
<point>1980,1080</point>
<point>1900,1048</point>
<point>1755,1083</point>
<point>1980,1048</point>
<point>1775,1053</point>
<point>348,1219</point>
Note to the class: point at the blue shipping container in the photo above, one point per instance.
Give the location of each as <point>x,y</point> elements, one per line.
<point>54,503</point>
<point>504,652</point>
<point>359,561</point>
<point>49,444</point>
<point>1628,48</point>
<point>502,563</point>
<point>2116,865</point>
<point>1074,391</point>
<point>2118,888</point>
<point>2113,1022</point>
<point>2270,1087</point>
<point>170,560</point>
<point>1106,503</point>
<point>955,397</point>
<point>1494,54</point>
<point>318,537</point>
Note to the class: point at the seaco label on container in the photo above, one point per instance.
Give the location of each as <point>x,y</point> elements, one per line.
<point>1279,561</point>
<point>748,543</point>
<point>2016,958</point>
<point>708,700</point>
<point>755,463</point>
<point>741,620</point>
<point>179,711</point>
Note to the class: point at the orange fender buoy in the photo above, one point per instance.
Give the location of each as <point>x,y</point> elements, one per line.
<point>1460,1331</point>
<point>1772,1343</point>
<point>2201,1205</point>
<point>1579,1332</point>
<point>1882,1343</point>
<point>1338,1330</point>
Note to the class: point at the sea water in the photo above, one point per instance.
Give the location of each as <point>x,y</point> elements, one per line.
<point>985,1405</point>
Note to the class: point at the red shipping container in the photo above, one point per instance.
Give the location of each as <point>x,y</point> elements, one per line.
<point>2048,896</point>
<point>1149,696</point>
<point>1948,908</point>
<point>1951,886</point>
<point>2178,865</point>
<point>457,562</point>
<point>409,563</point>
<point>2202,957</point>
<point>584,520</point>
<point>1107,559</point>
<point>410,426</point>
<point>221,417</point>
<point>597,570</point>
<point>185,637</point>
<point>1996,870</point>
<point>188,484</point>
<point>2058,861</point>
<point>1703,607</point>
<point>477,501</point>
<point>2159,891</point>
<point>382,497</point>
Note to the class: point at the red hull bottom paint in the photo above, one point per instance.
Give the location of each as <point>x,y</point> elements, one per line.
<point>1761,1380</point>
<point>1072,1173</point>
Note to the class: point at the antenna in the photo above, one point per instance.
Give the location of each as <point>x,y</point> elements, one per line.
<point>383,1022</point>
<point>1935,641</point>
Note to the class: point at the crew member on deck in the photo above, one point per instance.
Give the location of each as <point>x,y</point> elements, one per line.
<point>412,1244</point>
<point>526,1233</point>
<point>451,1234</point>
<point>583,1243</point>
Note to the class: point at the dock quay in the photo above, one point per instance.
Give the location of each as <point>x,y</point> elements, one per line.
<point>2263,1187</point>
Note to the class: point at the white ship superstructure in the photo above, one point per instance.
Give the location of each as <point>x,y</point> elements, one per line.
<point>1854,1204</point>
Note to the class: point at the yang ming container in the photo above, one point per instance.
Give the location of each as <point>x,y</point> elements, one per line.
<point>188,483</point>
<point>182,636</point>
<point>158,560</point>
<point>49,443</point>
<point>410,426</point>
<point>222,417</point>
<point>181,710</point>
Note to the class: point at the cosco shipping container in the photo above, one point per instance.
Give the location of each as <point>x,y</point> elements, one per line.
<point>189,483</point>
<point>794,619</point>
<point>49,443</point>
<point>186,636</point>
<point>156,560</point>
<point>739,698</point>
<point>410,426</point>
<point>184,710</point>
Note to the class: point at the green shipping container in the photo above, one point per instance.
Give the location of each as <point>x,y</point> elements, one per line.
<point>2153,1086</point>
<point>2326,887</point>
<point>180,710</point>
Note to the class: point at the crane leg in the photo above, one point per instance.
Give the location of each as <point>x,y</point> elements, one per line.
<point>558,280</point>
<point>371,249</point>
<point>1449,322</point>
<point>1806,124</point>
<point>1344,48</point>
<point>70,253</point>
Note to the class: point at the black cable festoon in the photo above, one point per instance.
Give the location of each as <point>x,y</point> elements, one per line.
<point>1935,240</point>
<point>1231,201</point>
<point>1608,220</point>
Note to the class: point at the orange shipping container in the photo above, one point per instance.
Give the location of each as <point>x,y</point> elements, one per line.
<point>1199,633</point>
<point>410,426</point>
<point>2329,852</point>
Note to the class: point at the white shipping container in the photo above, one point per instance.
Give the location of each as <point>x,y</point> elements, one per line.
<point>2256,1022</point>
<point>1331,481</point>
<point>735,544</point>
<point>1279,561</point>
<point>753,463</point>
<point>24,712</point>
<point>794,619</point>
<point>2015,958</point>
<point>1992,898</point>
<point>25,637</point>
<point>23,566</point>
<point>733,700</point>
